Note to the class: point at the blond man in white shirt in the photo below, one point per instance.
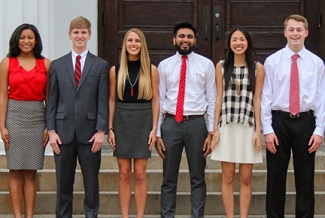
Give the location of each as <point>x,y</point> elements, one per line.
<point>286,131</point>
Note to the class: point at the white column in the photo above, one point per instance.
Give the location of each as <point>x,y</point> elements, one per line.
<point>52,19</point>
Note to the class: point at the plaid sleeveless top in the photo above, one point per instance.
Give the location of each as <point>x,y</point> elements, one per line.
<point>237,104</point>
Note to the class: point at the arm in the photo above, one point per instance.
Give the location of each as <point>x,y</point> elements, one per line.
<point>111,106</point>
<point>51,107</point>
<point>219,82</point>
<point>47,63</point>
<point>102,112</point>
<point>266,116</point>
<point>4,65</point>
<point>316,139</point>
<point>160,147</point>
<point>257,107</point>
<point>211,95</point>
<point>155,106</point>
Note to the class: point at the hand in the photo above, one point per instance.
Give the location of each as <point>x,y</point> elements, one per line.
<point>271,140</point>
<point>257,141</point>
<point>215,139</point>
<point>207,144</point>
<point>152,139</point>
<point>55,141</point>
<point>111,139</point>
<point>46,138</point>
<point>160,147</point>
<point>98,140</point>
<point>314,143</point>
<point>5,137</point>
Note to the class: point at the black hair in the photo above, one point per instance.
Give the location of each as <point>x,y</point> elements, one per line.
<point>250,60</point>
<point>14,49</point>
<point>184,24</point>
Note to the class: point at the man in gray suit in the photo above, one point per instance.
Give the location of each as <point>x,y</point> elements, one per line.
<point>77,116</point>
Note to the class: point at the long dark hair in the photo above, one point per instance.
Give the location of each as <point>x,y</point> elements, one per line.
<point>14,49</point>
<point>249,56</point>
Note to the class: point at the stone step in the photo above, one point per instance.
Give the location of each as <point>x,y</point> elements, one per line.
<point>45,203</point>
<point>108,180</point>
<point>155,162</point>
<point>150,216</point>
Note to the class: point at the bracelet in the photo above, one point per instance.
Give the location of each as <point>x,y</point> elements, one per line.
<point>110,129</point>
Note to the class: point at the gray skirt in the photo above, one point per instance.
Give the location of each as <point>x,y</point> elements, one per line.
<point>132,126</point>
<point>26,122</point>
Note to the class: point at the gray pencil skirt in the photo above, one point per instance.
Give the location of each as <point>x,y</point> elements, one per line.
<point>26,124</point>
<point>132,125</point>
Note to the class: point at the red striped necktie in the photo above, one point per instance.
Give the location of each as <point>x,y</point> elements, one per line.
<point>77,70</point>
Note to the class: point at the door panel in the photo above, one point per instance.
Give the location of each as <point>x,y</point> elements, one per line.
<point>155,18</point>
<point>264,20</point>
<point>214,20</point>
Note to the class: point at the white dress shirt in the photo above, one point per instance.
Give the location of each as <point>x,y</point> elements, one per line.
<point>200,87</point>
<point>82,59</point>
<point>276,89</point>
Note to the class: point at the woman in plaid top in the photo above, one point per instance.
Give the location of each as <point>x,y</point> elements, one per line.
<point>237,129</point>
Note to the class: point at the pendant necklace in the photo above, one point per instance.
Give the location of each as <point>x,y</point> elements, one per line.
<point>238,86</point>
<point>238,83</point>
<point>132,91</point>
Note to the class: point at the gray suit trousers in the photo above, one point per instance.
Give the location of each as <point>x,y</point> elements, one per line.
<point>65,164</point>
<point>190,134</point>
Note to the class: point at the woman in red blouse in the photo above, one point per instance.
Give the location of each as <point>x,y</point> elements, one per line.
<point>23,78</point>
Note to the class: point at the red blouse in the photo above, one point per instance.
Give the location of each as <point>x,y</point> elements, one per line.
<point>27,85</point>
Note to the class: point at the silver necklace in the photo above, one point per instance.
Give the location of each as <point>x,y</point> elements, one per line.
<point>132,91</point>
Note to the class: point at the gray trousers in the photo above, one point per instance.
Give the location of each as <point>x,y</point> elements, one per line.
<point>65,165</point>
<point>190,134</point>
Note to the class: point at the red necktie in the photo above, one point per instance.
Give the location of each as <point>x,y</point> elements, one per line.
<point>181,92</point>
<point>294,105</point>
<point>77,70</point>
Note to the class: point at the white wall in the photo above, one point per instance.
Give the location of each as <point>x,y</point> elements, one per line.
<point>52,19</point>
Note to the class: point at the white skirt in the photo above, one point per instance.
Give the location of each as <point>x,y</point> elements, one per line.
<point>236,145</point>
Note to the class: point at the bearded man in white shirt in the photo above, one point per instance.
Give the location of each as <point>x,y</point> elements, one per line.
<point>181,122</point>
<point>293,112</point>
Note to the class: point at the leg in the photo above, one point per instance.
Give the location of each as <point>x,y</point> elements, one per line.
<point>172,134</point>
<point>16,191</point>
<point>90,164</point>
<point>304,168</point>
<point>227,188</point>
<point>277,166</point>
<point>141,185</point>
<point>65,166</point>
<point>29,192</point>
<point>195,136</point>
<point>124,186</point>
<point>245,175</point>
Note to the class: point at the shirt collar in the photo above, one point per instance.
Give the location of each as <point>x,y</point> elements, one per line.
<point>83,55</point>
<point>190,56</point>
<point>289,52</point>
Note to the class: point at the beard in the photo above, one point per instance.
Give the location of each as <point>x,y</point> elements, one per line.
<point>184,51</point>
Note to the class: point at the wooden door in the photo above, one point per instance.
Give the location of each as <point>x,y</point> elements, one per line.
<point>214,20</point>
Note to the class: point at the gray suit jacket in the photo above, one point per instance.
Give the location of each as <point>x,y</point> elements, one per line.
<point>78,111</point>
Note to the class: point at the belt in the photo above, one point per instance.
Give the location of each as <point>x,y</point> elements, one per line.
<point>188,117</point>
<point>288,114</point>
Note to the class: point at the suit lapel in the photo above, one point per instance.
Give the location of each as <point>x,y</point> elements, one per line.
<point>68,63</point>
<point>85,71</point>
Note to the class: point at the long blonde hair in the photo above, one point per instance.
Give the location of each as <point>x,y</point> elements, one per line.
<point>145,88</point>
